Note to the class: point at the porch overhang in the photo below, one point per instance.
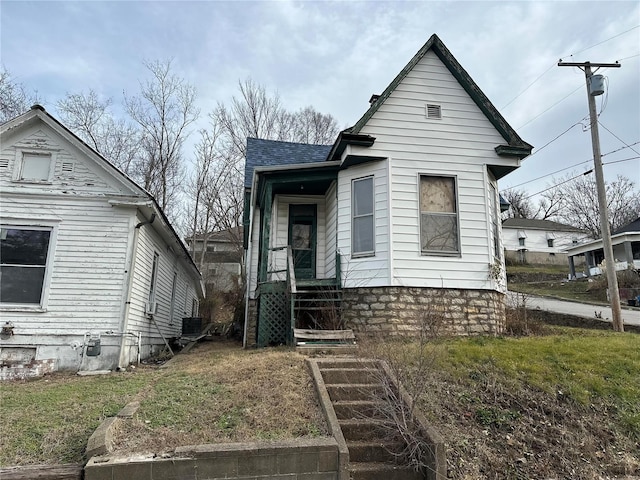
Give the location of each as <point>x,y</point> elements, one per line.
<point>299,179</point>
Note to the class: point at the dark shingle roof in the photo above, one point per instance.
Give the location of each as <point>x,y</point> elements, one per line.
<point>538,224</point>
<point>262,153</point>
<point>630,227</point>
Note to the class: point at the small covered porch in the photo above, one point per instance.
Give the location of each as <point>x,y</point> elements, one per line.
<point>295,282</point>
<point>626,251</point>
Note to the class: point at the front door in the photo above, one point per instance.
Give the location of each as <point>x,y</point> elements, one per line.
<point>302,238</point>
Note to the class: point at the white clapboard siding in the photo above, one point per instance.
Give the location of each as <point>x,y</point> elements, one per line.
<point>85,177</point>
<point>331,202</point>
<point>87,270</point>
<point>461,144</point>
<point>373,270</point>
<point>170,323</point>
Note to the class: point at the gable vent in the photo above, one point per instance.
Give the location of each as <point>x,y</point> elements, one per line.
<point>4,162</point>
<point>67,167</point>
<point>434,111</point>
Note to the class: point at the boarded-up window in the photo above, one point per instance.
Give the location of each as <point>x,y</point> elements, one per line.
<point>23,256</point>
<point>363,217</point>
<point>35,167</point>
<point>438,215</point>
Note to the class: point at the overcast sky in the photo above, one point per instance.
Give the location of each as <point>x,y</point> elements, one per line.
<point>334,55</point>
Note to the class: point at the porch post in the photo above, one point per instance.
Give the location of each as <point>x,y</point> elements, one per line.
<point>588,261</point>
<point>266,231</point>
<point>572,268</point>
<point>628,253</point>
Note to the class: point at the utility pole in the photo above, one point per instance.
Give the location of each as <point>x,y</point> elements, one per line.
<point>612,280</point>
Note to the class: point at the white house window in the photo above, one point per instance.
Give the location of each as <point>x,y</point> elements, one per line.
<point>363,217</point>
<point>521,237</point>
<point>154,276</point>
<point>23,264</point>
<point>35,167</point>
<point>550,242</point>
<point>174,285</point>
<point>438,215</point>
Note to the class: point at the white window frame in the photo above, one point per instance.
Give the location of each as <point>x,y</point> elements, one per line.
<point>364,253</point>
<point>20,161</point>
<point>46,282</point>
<point>174,288</point>
<point>494,202</point>
<point>153,285</point>
<point>439,253</point>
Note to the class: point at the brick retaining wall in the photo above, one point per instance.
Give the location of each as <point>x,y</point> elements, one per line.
<point>404,310</point>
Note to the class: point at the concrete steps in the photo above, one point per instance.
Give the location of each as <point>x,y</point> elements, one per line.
<point>355,389</point>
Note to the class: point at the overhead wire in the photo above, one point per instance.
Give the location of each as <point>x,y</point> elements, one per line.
<point>577,165</point>
<point>545,111</point>
<point>621,141</point>
<point>571,55</point>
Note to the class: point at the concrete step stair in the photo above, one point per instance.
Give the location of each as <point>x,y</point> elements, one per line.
<point>373,451</point>
<point>353,391</point>
<point>333,376</point>
<point>361,429</point>
<point>355,409</point>
<point>347,363</point>
<point>382,471</point>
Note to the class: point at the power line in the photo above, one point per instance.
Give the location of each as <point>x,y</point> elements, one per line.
<point>545,111</point>
<point>577,165</point>
<point>627,58</point>
<point>603,41</point>
<point>554,64</point>
<point>620,161</point>
<point>622,141</point>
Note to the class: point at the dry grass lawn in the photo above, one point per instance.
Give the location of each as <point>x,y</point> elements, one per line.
<point>220,393</point>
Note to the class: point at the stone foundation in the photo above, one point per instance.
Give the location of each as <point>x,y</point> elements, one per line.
<point>252,323</point>
<point>406,310</point>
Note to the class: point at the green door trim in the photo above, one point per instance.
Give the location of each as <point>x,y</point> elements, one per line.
<point>305,244</point>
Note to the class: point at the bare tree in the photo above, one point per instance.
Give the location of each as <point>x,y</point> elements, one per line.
<point>89,117</point>
<point>164,110</point>
<point>579,203</point>
<point>520,206</point>
<point>14,97</point>
<point>311,126</point>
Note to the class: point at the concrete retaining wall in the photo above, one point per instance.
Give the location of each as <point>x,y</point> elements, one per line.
<point>302,459</point>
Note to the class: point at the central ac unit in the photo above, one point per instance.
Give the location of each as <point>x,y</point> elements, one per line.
<point>151,308</point>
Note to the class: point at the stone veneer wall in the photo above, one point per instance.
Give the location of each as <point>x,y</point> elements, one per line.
<point>404,310</point>
<point>252,323</point>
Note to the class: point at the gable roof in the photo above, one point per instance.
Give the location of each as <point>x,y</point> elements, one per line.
<point>37,112</point>
<point>536,224</point>
<point>515,145</point>
<point>261,153</point>
<point>630,227</point>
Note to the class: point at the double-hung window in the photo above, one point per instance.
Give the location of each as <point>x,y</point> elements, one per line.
<point>24,252</point>
<point>363,217</point>
<point>438,216</point>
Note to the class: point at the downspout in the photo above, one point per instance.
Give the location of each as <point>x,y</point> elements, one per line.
<point>129,288</point>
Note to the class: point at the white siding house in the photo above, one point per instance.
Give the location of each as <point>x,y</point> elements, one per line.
<point>406,209</point>
<point>539,241</point>
<point>92,274</point>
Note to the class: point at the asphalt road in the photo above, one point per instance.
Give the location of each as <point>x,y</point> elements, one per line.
<point>586,310</point>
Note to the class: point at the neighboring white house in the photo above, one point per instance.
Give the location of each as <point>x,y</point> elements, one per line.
<point>402,208</point>
<point>92,275</point>
<point>626,251</point>
<point>539,241</point>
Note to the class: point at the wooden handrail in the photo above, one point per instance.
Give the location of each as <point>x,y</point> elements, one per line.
<point>290,270</point>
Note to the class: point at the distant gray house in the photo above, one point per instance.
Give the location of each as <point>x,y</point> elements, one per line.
<point>529,240</point>
<point>626,251</point>
<point>220,257</point>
